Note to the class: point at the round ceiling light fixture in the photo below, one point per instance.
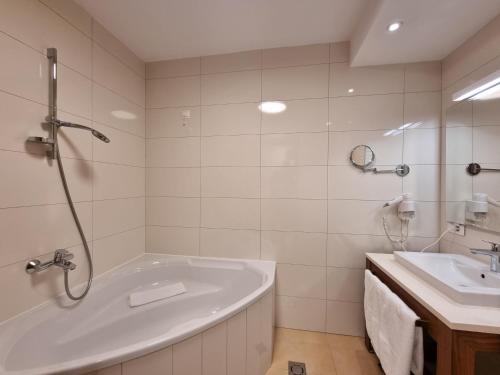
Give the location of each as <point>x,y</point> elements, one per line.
<point>272,107</point>
<point>394,26</point>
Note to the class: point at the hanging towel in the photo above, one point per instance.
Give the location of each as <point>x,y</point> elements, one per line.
<point>391,327</point>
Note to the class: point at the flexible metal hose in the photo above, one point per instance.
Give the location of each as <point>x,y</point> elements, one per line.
<point>78,225</point>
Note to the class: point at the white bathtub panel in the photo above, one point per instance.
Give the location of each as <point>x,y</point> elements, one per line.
<point>237,344</point>
<point>214,350</point>
<point>187,357</point>
<point>254,339</point>
<point>157,363</point>
<point>113,370</point>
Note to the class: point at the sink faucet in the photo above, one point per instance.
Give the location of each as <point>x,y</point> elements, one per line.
<point>493,253</point>
<point>61,259</point>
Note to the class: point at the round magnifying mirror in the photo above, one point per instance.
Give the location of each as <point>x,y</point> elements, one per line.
<point>362,156</point>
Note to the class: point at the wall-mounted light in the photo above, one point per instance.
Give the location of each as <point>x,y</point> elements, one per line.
<point>272,107</point>
<point>394,26</point>
<point>484,89</point>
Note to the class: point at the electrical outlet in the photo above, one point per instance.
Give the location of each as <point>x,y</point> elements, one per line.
<point>455,228</point>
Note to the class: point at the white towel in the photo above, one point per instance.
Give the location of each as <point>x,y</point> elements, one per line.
<point>143,296</point>
<point>391,327</point>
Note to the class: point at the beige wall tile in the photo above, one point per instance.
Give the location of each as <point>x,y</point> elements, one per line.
<point>345,318</point>
<point>225,88</point>
<point>238,150</point>
<point>39,27</point>
<point>294,182</point>
<point>173,68</point>
<point>172,240</point>
<point>25,73</point>
<point>385,79</point>
<point>75,92</point>
<point>231,213</point>
<point>425,76</point>
<point>423,182</point>
<point>295,56</point>
<point>295,83</point>
<point>349,251</point>
<point>187,357</point>
<point>113,74</point>
<point>294,215</point>
<point>19,171</point>
<point>227,182</point>
<point>363,112</point>
<point>485,144</point>
<point>308,115</point>
<point>230,243</point>
<point>168,211</point>
<point>417,140</point>
<point>157,363</point>
<point>173,182</point>
<point>173,152</point>
<point>301,281</point>
<point>173,122</point>
<point>72,13</point>
<point>38,221</point>
<point>108,252</point>
<point>232,62</point>
<point>118,215</point>
<point>301,313</point>
<point>423,110</point>
<point>173,92</point>
<point>111,44</point>
<point>294,247</point>
<point>345,284</point>
<point>294,149</point>
<point>230,119</point>
<point>346,182</point>
<point>118,181</point>
<point>117,112</point>
<point>340,52</point>
<point>124,148</point>
<point>359,217</point>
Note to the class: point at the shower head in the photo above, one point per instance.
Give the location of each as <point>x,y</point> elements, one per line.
<point>100,136</point>
<point>94,132</point>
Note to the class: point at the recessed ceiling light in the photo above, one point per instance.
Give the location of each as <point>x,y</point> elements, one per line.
<point>272,107</point>
<point>394,26</point>
<point>350,91</point>
<point>123,115</point>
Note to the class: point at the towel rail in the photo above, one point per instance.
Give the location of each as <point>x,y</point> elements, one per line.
<point>420,323</point>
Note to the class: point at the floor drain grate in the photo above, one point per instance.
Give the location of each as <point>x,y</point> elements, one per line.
<point>296,368</point>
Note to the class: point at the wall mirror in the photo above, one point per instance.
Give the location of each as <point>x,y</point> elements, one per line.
<point>363,157</point>
<point>472,170</point>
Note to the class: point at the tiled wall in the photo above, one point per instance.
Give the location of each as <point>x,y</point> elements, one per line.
<point>225,180</point>
<point>243,344</point>
<point>97,76</point>
<point>473,60</point>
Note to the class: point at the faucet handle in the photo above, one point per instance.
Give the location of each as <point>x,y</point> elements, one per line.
<point>62,254</point>
<point>494,246</point>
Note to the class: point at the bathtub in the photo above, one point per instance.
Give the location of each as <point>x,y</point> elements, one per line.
<point>222,324</point>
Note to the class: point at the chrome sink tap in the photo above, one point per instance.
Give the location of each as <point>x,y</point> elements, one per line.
<point>61,259</point>
<point>493,253</point>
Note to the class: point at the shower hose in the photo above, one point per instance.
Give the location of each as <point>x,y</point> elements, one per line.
<point>78,225</point>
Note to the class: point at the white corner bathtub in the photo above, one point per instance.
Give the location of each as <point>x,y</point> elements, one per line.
<point>223,322</point>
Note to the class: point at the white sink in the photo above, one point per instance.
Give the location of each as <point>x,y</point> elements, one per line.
<point>463,279</point>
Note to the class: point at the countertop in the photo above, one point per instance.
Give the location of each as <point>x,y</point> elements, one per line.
<point>454,315</point>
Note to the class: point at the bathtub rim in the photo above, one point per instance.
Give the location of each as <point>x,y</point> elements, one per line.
<point>145,347</point>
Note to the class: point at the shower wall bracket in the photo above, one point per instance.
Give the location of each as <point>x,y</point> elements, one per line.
<point>52,117</point>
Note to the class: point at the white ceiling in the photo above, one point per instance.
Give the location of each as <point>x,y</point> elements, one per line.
<point>171,29</point>
<point>431,30</point>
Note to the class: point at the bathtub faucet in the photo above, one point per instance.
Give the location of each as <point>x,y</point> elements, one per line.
<point>61,259</point>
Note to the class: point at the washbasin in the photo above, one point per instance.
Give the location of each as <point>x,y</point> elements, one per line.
<point>464,279</point>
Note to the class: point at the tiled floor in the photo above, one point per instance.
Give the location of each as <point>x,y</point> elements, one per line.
<point>323,354</point>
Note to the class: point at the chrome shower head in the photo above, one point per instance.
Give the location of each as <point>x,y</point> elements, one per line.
<point>94,132</point>
<point>100,136</point>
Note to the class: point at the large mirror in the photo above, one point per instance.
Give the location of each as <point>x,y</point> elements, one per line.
<point>472,183</point>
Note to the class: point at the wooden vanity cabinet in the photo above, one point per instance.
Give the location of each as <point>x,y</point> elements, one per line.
<point>447,351</point>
